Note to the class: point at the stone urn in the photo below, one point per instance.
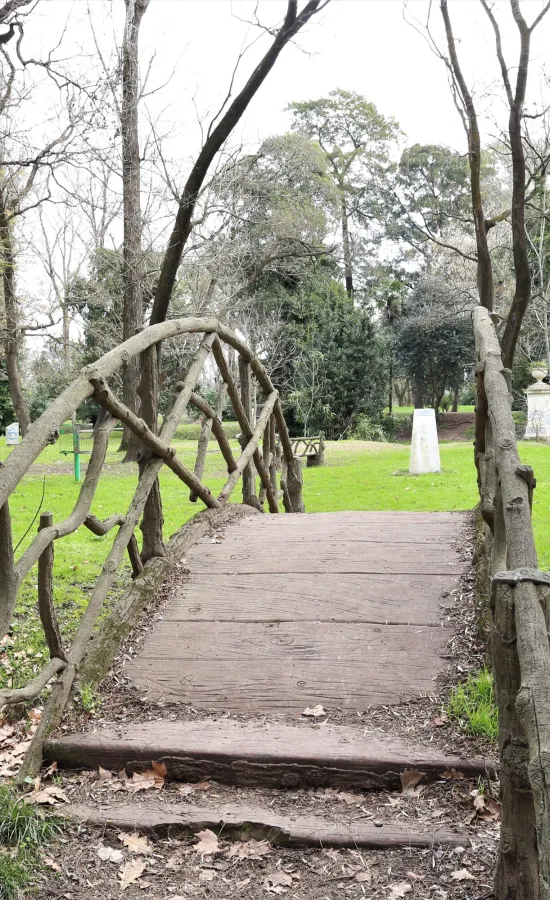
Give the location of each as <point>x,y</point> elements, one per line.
<point>539,373</point>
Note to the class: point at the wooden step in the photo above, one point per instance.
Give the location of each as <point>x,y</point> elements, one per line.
<point>236,821</point>
<point>248,754</point>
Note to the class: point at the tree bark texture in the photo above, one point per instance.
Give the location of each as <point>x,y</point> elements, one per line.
<point>346,242</point>
<point>132,262</point>
<point>12,334</point>
<point>153,519</point>
<point>520,640</point>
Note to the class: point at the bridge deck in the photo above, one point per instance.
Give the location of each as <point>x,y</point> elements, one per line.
<point>289,611</point>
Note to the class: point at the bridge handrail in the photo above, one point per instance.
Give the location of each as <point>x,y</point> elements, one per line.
<point>93,381</point>
<point>520,604</point>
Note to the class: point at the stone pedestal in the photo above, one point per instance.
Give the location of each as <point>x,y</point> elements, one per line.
<point>538,408</point>
<point>425,445</point>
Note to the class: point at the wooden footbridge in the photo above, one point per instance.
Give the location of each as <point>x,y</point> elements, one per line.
<point>276,615</point>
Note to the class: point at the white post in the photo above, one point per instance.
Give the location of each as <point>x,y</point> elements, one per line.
<point>538,408</point>
<point>424,445</point>
<point>12,434</point>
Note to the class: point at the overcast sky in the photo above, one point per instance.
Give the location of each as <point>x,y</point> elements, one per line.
<point>361,45</point>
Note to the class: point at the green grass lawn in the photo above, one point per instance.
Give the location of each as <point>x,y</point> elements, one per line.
<point>408,410</point>
<point>357,476</point>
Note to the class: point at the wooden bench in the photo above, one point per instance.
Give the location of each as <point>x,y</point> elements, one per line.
<point>313,449</point>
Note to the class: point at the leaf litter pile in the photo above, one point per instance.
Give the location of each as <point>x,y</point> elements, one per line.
<point>93,863</point>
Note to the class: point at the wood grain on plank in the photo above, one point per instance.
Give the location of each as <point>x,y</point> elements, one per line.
<point>382,645</point>
<point>235,820</point>
<point>224,747</point>
<point>268,685</point>
<point>324,557</point>
<point>341,598</point>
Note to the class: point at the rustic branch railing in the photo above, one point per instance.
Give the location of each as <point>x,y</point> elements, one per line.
<point>520,604</point>
<point>93,381</point>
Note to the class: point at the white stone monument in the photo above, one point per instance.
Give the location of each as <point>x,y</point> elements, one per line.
<point>12,434</point>
<point>538,407</point>
<point>424,445</point>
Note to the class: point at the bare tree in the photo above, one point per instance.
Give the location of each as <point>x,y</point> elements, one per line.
<point>131,186</point>
<point>515,95</point>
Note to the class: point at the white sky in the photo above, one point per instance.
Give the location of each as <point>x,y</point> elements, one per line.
<point>360,45</point>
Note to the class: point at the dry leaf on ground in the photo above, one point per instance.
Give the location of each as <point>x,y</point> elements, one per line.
<point>249,849</point>
<point>314,711</point>
<point>462,875</point>
<point>136,843</point>
<point>364,877</point>
<point>278,882</point>
<point>51,796</point>
<point>410,782</point>
<point>453,775</point>
<point>145,781</point>
<point>160,770</point>
<point>130,872</point>
<point>208,842</point>
<point>400,890</point>
<point>109,854</point>
<point>486,807</point>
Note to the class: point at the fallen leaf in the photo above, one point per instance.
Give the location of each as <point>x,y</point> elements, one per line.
<point>145,781</point>
<point>207,875</point>
<point>462,875</point>
<point>410,781</point>
<point>414,877</point>
<point>347,798</point>
<point>249,849</point>
<point>394,801</point>
<point>440,720</point>
<point>364,877</point>
<point>278,882</point>
<point>208,842</point>
<point>314,711</point>
<point>160,770</point>
<point>109,854</point>
<point>51,796</point>
<point>400,889</point>
<point>104,774</point>
<point>130,872</point>
<point>51,863</point>
<point>485,807</point>
<point>136,843</point>
<point>453,775</point>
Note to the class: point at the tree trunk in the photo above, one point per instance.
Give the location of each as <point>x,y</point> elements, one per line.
<point>418,397</point>
<point>485,283</point>
<point>455,399</point>
<point>217,137</point>
<point>153,520</point>
<point>522,269</point>
<point>131,255</point>
<point>346,244</point>
<point>66,338</point>
<point>12,337</point>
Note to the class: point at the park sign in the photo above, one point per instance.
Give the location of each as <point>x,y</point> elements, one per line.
<point>12,434</point>
<point>424,445</point>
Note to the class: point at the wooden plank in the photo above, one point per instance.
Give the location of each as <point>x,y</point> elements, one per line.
<point>234,821</point>
<point>285,685</point>
<point>385,646</point>
<point>318,527</point>
<point>361,556</point>
<point>339,598</point>
<point>399,519</point>
<point>249,753</point>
